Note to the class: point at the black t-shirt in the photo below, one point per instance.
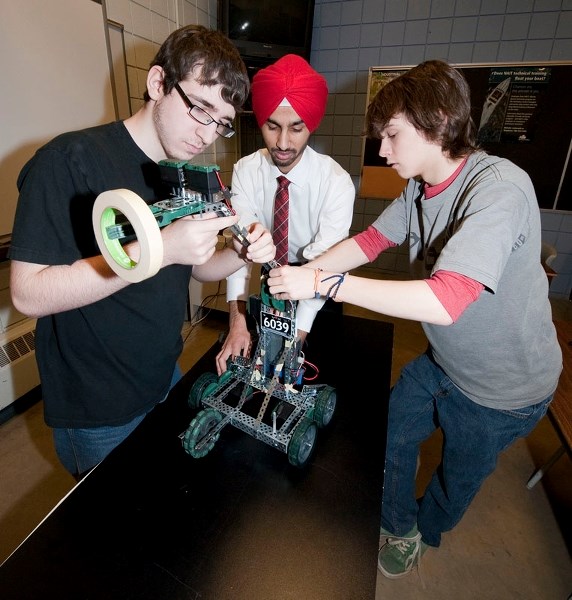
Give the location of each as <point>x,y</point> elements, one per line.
<point>105,363</point>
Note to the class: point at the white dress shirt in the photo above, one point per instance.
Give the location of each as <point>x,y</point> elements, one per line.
<point>320,212</point>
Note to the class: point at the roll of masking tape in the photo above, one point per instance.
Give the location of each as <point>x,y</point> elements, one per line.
<point>105,210</point>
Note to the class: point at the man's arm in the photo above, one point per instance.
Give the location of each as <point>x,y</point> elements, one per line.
<point>404,299</point>
<point>244,187</point>
<point>39,290</point>
<point>238,340</point>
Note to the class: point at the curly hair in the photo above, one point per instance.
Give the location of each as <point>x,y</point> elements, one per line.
<point>435,98</point>
<point>196,46</point>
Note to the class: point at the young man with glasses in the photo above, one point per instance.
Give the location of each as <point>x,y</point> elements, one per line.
<point>107,349</point>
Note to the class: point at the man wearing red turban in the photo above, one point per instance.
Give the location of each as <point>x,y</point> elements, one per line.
<point>288,100</point>
<point>292,79</point>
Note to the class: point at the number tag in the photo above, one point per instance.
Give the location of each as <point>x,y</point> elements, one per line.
<point>276,324</point>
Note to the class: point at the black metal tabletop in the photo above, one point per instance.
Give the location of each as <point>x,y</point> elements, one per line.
<point>151,522</point>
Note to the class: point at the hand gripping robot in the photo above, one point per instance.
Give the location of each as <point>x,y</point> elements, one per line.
<point>264,396</point>
<point>120,216</point>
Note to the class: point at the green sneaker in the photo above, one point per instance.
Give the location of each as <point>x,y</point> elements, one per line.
<point>399,555</point>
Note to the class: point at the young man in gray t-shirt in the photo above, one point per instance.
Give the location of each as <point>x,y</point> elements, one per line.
<point>472,224</point>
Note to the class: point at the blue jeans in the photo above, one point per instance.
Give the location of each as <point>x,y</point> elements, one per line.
<point>79,450</point>
<point>424,399</point>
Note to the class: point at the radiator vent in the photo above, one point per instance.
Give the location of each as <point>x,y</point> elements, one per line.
<point>17,348</point>
<point>18,368</point>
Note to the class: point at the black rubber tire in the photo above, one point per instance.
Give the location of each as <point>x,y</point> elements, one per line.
<point>199,427</point>
<point>325,406</point>
<point>199,388</point>
<point>302,443</point>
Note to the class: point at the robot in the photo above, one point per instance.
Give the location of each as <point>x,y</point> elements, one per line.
<point>119,216</point>
<point>264,396</point>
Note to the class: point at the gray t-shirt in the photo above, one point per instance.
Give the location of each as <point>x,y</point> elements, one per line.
<point>502,352</point>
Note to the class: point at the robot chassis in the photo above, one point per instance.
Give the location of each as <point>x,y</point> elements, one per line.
<point>289,412</point>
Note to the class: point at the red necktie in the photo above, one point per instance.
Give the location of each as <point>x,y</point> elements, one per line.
<point>280,229</point>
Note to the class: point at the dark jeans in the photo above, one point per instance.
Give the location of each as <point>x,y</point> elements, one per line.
<point>79,450</point>
<point>423,399</point>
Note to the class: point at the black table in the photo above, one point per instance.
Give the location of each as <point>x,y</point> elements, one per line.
<point>151,522</point>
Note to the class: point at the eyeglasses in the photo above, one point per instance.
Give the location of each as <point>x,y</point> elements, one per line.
<point>202,116</point>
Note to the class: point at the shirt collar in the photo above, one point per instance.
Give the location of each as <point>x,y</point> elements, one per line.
<point>300,173</point>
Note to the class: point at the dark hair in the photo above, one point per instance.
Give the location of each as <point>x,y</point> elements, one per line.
<point>435,98</point>
<point>220,62</point>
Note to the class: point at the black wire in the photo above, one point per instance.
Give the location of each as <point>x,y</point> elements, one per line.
<point>195,319</point>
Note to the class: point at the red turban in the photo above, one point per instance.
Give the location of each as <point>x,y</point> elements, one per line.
<point>290,77</point>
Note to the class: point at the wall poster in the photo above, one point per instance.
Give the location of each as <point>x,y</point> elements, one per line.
<point>521,111</point>
<point>514,98</point>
